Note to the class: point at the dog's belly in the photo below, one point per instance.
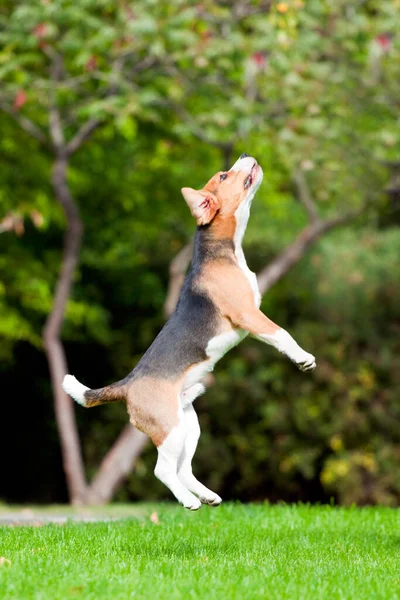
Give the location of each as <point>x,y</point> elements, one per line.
<point>216,348</point>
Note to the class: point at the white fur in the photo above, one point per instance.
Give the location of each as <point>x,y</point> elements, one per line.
<point>242,216</point>
<point>220,344</point>
<point>216,348</point>
<point>283,342</point>
<point>185,473</point>
<point>170,454</point>
<point>175,454</point>
<point>243,164</point>
<point>189,395</point>
<point>75,389</point>
<point>174,464</point>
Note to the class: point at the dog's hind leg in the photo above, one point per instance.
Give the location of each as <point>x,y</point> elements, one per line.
<point>169,455</point>
<point>185,473</point>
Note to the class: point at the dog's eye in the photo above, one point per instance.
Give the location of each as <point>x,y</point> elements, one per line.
<point>223,176</point>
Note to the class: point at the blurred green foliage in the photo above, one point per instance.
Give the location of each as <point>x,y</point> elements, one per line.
<point>310,85</point>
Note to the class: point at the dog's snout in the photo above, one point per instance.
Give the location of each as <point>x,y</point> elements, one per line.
<point>244,155</point>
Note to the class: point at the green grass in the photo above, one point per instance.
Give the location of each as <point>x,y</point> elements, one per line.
<point>234,551</point>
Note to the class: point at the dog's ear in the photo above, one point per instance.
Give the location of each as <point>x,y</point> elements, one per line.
<point>203,204</point>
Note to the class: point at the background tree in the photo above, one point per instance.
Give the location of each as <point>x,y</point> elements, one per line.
<point>166,92</point>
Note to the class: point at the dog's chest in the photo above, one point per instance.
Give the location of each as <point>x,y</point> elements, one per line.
<point>250,276</point>
<point>242,216</point>
<point>222,343</point>
<point>216,348</point>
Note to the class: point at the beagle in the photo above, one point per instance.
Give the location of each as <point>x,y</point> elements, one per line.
<point>218,306</point>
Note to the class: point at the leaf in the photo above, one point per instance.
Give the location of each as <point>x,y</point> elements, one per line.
<point>20,99</point>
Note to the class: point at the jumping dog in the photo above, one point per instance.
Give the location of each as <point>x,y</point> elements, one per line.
<point>217,308</point>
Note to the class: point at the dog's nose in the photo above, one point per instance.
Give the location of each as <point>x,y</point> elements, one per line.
<point>244,155</point>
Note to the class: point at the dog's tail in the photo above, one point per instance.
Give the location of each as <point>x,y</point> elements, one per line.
<point>88,398</point>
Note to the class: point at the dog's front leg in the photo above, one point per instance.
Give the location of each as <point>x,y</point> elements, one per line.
<point>258,325</point>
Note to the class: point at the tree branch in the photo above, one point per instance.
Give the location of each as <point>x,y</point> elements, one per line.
<point>242,9</point>
<point>56,130</point>
<point>26,124</point>
<point>291,255</point>
<point>55,124</point>
<point>177,274</point>
<point>304,194</point>
<point>145,63</point>
<point>82,135</point>
<point>199,132</point>
<point>92,124</point>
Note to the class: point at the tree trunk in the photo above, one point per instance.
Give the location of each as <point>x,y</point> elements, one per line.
<point>289,257</point>
<point>64,410</point>
<point>177,274</point>
<point>117,465</point>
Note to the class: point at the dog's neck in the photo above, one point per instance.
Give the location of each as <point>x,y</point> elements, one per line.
<point>209,247</point>
<point>242,215</point>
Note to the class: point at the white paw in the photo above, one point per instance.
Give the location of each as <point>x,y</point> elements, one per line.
<point>211,499</point>
<point>306,362</point>
<point>195,505</point>
<point>190,502</point>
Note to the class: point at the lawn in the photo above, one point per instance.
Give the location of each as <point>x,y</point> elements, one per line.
<point>234,551</point>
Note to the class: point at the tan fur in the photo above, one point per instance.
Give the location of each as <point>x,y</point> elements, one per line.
<point>217,202</point>
<point>153,406</point>
<point>224,227</point>
<point>111,393</point>
<point>231,292</point>
<point>229,192</point>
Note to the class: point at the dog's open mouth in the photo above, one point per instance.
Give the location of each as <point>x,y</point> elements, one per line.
<point>250,178</point>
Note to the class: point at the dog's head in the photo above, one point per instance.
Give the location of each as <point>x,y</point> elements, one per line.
<point>227,195</point>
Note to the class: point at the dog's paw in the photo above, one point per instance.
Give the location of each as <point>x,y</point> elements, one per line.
<point>306,362</point>
<point>191,502</point>
<point>211,499</point>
